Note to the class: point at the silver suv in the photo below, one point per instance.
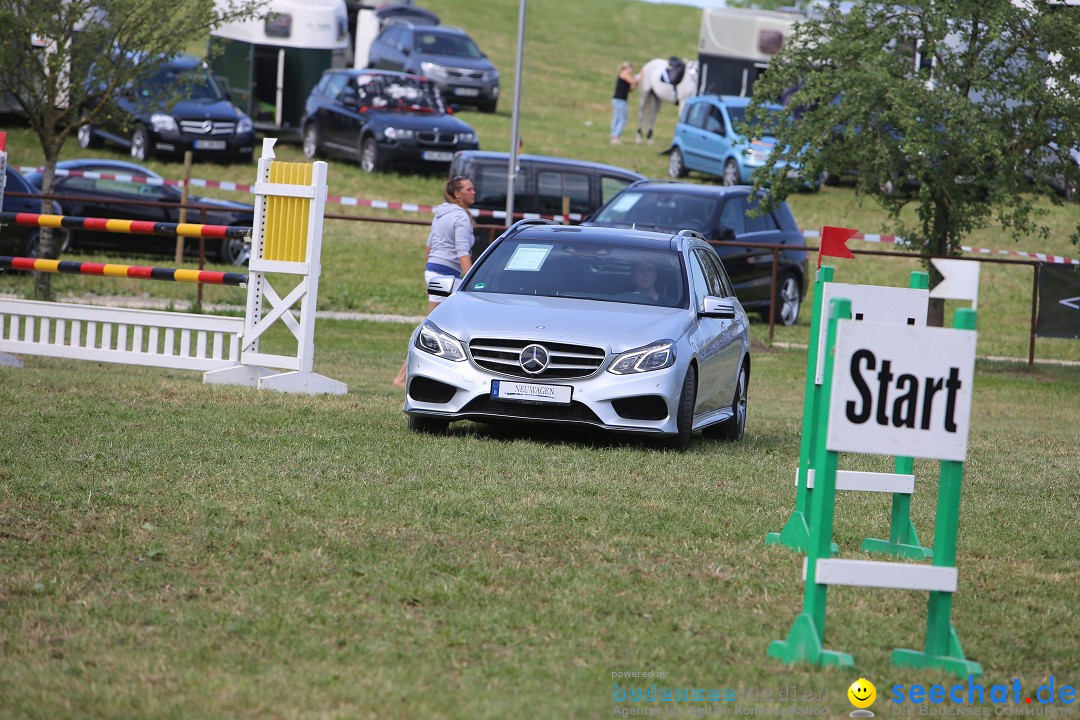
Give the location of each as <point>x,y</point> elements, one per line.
<point>445,55</point>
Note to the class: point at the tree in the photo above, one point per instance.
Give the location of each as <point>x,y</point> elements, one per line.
<point>965,109</point>
<point>49,46</point>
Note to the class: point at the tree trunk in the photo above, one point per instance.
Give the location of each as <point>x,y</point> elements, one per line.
<point>46,245</point>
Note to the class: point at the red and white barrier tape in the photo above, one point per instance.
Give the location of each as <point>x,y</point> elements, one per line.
<point>501,214</point>
<point>1043,257</point>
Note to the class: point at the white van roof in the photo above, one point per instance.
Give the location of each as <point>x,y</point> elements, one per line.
<point>322,24</point>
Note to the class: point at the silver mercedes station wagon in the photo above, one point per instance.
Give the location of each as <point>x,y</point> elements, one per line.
<point>622,330</point>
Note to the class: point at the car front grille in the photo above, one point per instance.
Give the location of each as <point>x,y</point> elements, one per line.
<point>436,138</point>
<point>574,412</point>
<point>467,74</point>
<point>204,128</point>
<point>565,360</point>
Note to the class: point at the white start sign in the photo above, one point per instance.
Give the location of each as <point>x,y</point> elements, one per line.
<point>901,390</point>
<point>875,303</point>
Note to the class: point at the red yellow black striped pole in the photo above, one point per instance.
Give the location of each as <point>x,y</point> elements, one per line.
<point>142,227</point>
<point>128,271</point>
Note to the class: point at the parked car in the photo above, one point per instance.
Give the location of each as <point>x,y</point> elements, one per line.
<point>723,213</point>
<point>559,325</point>
<point>22,240</point>
<point>384,120</point>
<point>108,198</point>
<point>152,122</point>
<point>445,55</point>
<point>541,183</point>
<point>708,139</point>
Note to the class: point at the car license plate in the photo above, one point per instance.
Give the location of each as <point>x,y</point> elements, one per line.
<point>467,92</point>
<point>531,392</point>
<point>209,144</point>
<point>437,156</point>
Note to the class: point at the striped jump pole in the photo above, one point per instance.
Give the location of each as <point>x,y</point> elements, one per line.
<point>136,227</point>
<point>141,272</point>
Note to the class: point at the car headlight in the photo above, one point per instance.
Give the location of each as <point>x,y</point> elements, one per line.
<point>163,123</point>
<point>491,74</point>
<point>757,156</point>
<point>432,340</point>
<point>244,125</point>
<point>394,133</point>
<point>657,356</point>
<point>431,70</point>
<point>466,137</point>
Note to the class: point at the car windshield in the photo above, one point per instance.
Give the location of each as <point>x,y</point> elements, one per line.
<point>665,210</point>
<point>191,84</point>
<point>398,92</point>
<point>430,43</point>
<point>572,268</point>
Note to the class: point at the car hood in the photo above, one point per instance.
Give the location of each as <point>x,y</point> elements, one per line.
<point>617,327</point>
<point>188,109</point>
<point>455,61</point>
<point>223,204</point>
<point>409,120</point>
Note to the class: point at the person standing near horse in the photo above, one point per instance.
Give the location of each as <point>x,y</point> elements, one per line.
<point>625,82</point>
<point>448,252</point>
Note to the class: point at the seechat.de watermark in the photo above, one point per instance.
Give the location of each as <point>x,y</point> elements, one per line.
<point>972,698</point>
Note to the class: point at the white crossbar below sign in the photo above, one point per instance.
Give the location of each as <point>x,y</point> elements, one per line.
<point>896,576</point>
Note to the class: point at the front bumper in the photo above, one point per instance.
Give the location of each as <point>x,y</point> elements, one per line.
<point>415,154</point>
<point>464,92</point>
<point>462,391</point>
<point>236,147</point>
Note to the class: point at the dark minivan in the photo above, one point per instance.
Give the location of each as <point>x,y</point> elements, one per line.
<point>541,182</point>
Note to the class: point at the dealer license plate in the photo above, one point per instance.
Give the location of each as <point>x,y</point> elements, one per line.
<point>531,392</point>
<point>209,144</point>
<point>467,92</point>
<point>437,156</point>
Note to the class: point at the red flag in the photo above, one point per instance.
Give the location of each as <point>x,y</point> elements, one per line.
<point>834,242</point>
<point>3,140</point>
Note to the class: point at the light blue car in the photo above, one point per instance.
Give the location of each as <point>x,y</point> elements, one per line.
<point>707,140</point>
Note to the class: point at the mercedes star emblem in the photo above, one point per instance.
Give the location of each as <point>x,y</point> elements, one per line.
<point>534,359</point>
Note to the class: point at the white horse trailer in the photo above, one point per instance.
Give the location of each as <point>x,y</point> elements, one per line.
<point>735,46</point>
<point>272,62</point>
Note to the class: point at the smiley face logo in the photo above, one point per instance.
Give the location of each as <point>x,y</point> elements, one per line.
<point>862,693</point>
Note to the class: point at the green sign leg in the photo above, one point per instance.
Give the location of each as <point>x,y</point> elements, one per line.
<point>903,539</point>
<point>943,649</point>
<point>796,531</point>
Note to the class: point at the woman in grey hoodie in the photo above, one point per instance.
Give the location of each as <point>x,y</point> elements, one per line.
<point>448,252</point>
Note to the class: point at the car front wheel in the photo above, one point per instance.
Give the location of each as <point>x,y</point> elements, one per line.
<point>233,251</point>
<point>32,245</point>
<point>86,136</point>
<point>685,412</point>
<point>369,155</point>
<point>676,167</point>
<point>140,144</point>
<point>311,141</point>
<point>731,173</point>
<point>788,300</point>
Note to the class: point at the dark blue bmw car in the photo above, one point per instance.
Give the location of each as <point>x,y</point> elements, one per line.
<point>385,120</point>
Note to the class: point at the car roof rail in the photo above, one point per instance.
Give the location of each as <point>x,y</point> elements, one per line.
<point>524,222</point>
<point>689,234</point>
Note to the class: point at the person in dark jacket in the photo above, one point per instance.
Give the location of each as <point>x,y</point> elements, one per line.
<point>624,83</point>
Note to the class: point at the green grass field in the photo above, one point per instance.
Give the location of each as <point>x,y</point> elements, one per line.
<point>170,549</point>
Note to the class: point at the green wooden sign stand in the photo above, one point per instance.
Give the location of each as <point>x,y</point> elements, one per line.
<point>903,538</point>
<point>806,639</point>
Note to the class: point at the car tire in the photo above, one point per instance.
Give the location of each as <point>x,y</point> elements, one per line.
<point>369,155</point>
<point>31,246</point>
<point>734,427</point>
<point>233,251</point>
<point>680,441</point>
<point>788,300</point>
<point>731,173</point>
<point>311,141</point>
<point>488,107</point>
<point>140,144</point>
<point>428,425</point>
<point>676,167</point>
<point>87,138</point>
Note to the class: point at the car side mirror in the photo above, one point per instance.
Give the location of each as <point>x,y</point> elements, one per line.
<point>406,52</point>
<point>442,286</point>
<point>725,233</point>
<point>717,307</point>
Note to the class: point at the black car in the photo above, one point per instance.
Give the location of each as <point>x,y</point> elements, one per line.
<point>152,123</point>
<point>386,120</point>
<point>22,240</point>
<point>722,213</point>
<point>445,55</point>
<point>105,197</point>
